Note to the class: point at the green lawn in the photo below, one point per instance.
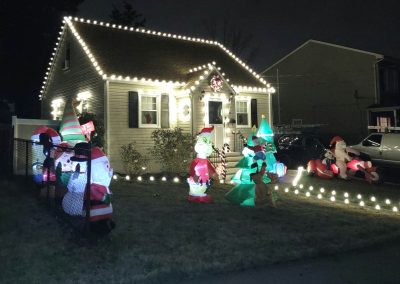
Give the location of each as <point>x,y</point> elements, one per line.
<point>161,238</point>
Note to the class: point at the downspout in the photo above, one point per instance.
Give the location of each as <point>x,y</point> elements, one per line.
<point>107,115</point>
<point>191,113</point>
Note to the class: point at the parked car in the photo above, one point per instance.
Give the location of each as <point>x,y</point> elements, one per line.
<point>382,148</point>
<point>296,150</point>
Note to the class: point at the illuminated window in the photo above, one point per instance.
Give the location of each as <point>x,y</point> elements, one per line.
<point>83,98</point>
<point>242,113</point>
<point>149,106</point>
<point>56,106</point>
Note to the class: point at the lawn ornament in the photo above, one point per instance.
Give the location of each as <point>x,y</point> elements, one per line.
<point>72,202</point>
<point>43,137</point>
<point>328,167</point>
<point>263,194</point>
<point>201,171</point>
<point>70,129</point>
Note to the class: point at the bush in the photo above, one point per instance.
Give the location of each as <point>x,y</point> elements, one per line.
<point>174,149</point>
<point>97,136</point>
<point>132,160</point>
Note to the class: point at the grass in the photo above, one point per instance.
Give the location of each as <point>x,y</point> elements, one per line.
<point>162,238</point>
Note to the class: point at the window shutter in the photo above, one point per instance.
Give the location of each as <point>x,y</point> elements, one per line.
<point>253,110</point>
<point>164,111</point>
<point>133,110</point>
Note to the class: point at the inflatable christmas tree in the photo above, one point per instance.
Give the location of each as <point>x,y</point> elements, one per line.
<point>265,132</point>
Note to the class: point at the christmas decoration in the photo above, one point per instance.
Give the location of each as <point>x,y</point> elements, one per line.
<point>70,128</point>
<point>201,171</point>
<point>216,83</point>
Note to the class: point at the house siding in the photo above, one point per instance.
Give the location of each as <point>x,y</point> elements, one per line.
<point>80,77</point>
<point>119,132</point>
<point>326,85</point>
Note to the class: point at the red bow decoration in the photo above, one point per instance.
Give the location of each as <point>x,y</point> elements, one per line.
<point>87,128</point>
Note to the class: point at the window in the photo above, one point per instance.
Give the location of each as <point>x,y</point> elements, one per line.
<point>149,106</point>
<point>67,58</point>
<point>215,112</point>
<point>83,98</point>
<point>242,113</point>
<point>57,105</point>
<point>374,140</point>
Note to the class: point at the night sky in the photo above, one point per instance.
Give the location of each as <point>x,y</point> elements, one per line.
<point>277,27</point>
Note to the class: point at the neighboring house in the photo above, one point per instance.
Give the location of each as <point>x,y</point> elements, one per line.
<point>334,86</point>
<point>138,80</point>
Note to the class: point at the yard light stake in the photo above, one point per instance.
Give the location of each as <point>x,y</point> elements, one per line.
<point>359,196</point>
<point>298,176</point>
<point>164,179</point>
<point>387,201</point>
<point>377,207</point>
<point>319,195</point>
<point>373,199</point>
<point>286,189</point>
<point>308,194</point>
<point>346,195</point>
<point>322,190</point>
<point>276,187</point>
<point>362,203</point>
<point>333,192</point>
<point>395,209</point>
<point>176,179</point>
<point>301,186</point>
<point>346,201</point>
<point>151,178</point>
<point>311,188</point>
<point>139,178</point>
<point>296,191</point>
<point>333,198</point>
<point>115,177</point>
<point>128,177</point>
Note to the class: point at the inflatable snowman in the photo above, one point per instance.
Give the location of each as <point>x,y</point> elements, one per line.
<point>201,170</point>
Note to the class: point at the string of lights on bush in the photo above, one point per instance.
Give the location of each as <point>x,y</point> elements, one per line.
<point>68,21</point>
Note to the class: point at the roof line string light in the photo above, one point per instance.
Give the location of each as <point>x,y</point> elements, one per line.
<point>69,21</point>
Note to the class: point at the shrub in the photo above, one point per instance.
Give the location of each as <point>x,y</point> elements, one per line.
<point>173,148</point>
<point>132,159</point>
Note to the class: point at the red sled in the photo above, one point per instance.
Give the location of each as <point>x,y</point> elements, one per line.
<point>200,199</point>
<point>316,167</point>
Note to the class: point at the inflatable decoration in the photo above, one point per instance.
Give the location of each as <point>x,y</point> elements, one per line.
<point>70,128</point>
<point>257,168</point>
<point>201,170</point>
<point>44,137</point>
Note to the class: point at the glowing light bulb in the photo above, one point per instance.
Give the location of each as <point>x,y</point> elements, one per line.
<point>319,196</point>
<point>301,186</point>
<point>373,199</point>
<point>346,201</point>
<point>308,194</point>
<point>176,179</point>
<point>127,177</point>
<point>286,189</point>
<point>311,188</point>
<point>322,190</point>
<point>359,196</point>
<point>151,178</point>
<point>333,192</point>
<point>115,177</point>
<point>362,203</point>
<point>387,201</point>
<point>276,187</point>
<point>395,209</point>
<point>377,207</point>
<point>333,198</point>
<point>296,191</point>
<point>164,179</point>
<point>346,195</point>
<point>139,178</point>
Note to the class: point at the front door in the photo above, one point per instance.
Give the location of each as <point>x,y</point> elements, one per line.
<point>215,117</point>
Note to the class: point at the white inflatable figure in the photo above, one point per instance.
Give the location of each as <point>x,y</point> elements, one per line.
<point>101,175</point>
<point>341,156</point>
<point>73,200</point>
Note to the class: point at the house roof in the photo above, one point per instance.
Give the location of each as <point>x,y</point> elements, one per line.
<point>378,56</point>
<point>146,54</point>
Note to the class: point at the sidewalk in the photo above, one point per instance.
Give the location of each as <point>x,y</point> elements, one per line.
<point>375,265</point>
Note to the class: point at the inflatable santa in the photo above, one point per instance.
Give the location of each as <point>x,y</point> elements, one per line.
<point>201,170</point>
<point>338,148</point>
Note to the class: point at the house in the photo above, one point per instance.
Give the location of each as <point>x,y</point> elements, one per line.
<point>341,89</point>
<point>139,80</point>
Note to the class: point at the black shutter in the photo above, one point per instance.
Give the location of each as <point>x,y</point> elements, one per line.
<point>253,110</point>
<point>133,110</point>
<point>164,111</point>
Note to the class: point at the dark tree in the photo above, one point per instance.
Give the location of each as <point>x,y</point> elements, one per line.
<point>28,32</point>
<point>232,37</point>
<point>127,17</point>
